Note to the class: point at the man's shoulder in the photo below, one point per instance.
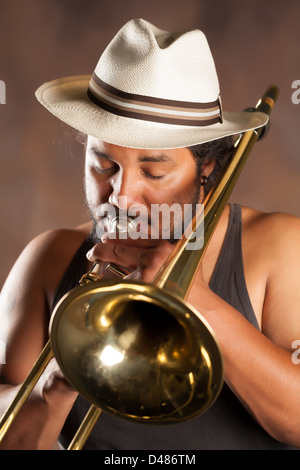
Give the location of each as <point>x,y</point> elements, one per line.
<point>47,255</point>
<point>44,260</point>
<point>271,230</point>
<point>274,220</point>
<point>62,240</point>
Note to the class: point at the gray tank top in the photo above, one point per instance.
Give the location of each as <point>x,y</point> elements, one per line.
<point>226,425</point>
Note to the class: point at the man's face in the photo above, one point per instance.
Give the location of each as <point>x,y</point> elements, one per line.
<point>137,182</point>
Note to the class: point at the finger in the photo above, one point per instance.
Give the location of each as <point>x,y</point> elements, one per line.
<point>149,260</point>
<point>129,239</point>
<point>117,253</point>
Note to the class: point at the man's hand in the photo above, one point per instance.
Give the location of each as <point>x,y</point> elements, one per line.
<point>143,257</point>
<point>54,389</point>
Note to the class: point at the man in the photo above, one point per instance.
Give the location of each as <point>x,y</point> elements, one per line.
<point>153,97</point>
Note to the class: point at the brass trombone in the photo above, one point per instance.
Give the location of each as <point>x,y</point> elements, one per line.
<point>137,350</point>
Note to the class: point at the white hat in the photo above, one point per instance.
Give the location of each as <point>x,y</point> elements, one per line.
<point>150,89</point>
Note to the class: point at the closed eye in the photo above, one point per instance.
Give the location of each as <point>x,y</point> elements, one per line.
<point>153,177</point>
<point>99,169</point>
<point>103,164</point>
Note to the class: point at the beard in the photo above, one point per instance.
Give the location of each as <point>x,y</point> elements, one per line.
<point>166,222</point>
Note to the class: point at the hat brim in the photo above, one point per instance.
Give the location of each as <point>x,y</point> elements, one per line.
<point>67,99</point>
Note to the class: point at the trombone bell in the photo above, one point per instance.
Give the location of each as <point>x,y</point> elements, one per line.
<point>136,351</point>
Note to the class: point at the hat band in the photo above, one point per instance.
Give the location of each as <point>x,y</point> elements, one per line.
<point>153,109</point>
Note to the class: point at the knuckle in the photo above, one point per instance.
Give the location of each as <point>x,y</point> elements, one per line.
<point>118,250</point>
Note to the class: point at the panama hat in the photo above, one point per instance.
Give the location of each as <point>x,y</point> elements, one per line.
<point>150,89</point>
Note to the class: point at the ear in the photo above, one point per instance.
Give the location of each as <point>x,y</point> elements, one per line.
<point>207,167</point>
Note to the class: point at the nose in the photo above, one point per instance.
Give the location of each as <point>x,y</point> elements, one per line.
<point>126,190</point>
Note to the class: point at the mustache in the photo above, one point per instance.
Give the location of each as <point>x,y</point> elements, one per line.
<point>166,222</point>
<point>110,219</point>
<point>131,216</point>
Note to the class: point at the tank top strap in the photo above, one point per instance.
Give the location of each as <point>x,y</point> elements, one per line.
<point>228,279</point>
<point>75,270</point>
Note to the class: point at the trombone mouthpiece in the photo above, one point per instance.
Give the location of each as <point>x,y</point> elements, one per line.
<point>122,224</point>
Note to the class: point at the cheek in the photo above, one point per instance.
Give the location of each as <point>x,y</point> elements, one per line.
<point>95,191</point>
<point>181,188</point>
<point>175,189</point>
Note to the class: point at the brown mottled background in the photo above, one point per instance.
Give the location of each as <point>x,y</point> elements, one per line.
<point>255,43</point>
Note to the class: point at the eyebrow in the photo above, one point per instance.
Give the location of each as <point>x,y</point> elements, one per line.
<point>98,153</point>
<point>157,158</point>
<point>146,158</point>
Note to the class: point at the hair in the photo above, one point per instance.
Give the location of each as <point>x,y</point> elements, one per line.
<point>218,151</point>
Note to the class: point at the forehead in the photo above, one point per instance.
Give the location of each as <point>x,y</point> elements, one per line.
<point>171,156</point>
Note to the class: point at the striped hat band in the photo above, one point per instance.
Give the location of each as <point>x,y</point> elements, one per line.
<point>148,108</point>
